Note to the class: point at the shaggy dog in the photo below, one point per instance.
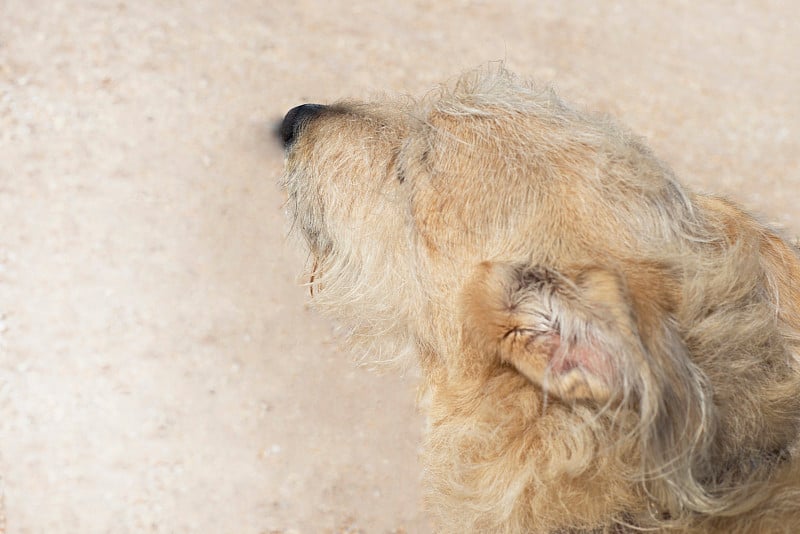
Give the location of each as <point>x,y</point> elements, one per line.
<point>602,350</point>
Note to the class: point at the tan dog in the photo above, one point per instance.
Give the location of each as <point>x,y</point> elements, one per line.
<point>602,350</point>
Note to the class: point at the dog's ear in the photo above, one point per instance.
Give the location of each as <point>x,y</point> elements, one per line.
<point>569,333</point>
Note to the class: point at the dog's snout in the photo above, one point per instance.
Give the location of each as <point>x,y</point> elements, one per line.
<point>294,121</point>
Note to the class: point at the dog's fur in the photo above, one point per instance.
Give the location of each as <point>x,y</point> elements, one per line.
<point>602,350</point>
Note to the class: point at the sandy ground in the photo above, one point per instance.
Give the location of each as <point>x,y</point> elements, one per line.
<point>160,369</point>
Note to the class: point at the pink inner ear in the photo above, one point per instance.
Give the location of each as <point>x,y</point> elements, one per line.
<point>564,359</point>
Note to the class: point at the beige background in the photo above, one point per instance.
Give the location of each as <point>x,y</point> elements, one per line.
<point>160,370</point>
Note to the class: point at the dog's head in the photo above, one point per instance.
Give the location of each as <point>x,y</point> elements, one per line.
<point>491,226</point>
<point>402,203</point>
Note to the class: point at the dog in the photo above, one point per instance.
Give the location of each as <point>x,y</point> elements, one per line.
<point>601,349</point>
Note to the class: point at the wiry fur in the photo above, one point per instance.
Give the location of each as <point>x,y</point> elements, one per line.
<point>602,350</point>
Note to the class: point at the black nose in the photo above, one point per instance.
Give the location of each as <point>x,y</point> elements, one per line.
<point>294,121</point>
